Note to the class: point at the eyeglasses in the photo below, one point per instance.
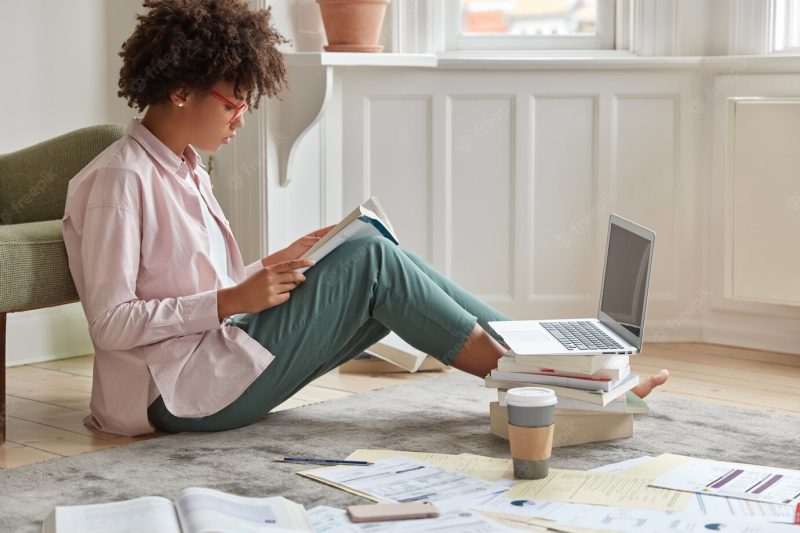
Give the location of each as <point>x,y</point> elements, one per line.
<point>239,109</point>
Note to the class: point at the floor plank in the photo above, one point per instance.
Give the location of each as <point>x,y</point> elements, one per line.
<point>50,378</point>
<point>57,417</point>
<point>74,365</point>
<point>53,440</point>
<point>13,454</point>
<point>58,396</point>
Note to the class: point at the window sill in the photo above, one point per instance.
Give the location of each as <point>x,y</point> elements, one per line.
<point>561,59</point>
<point>359,59</point>
<point>547,60</point>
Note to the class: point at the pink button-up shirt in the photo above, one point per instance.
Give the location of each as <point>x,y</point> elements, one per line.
<point>139,253</point>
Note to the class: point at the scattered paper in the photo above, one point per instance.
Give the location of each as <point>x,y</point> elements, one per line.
<point>402,479</point>
<point>622,519</point>
<point>451,520</point>
<point>603,520</point>
<point>622,465</point>
<point>706,505</point>
<point>485,468</point>
<point>599,488</point>
<point>745,482</point>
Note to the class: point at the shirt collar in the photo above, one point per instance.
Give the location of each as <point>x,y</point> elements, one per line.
<point>160,151</point>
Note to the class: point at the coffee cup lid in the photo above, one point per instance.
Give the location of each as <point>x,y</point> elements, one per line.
<point>531,397</point>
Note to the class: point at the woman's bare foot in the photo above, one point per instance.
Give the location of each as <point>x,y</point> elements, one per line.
<point>647,385</point>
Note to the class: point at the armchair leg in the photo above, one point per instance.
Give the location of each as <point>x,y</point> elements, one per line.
<point>2,378</point>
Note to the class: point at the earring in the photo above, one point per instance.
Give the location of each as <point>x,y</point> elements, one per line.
<point>180,105</point>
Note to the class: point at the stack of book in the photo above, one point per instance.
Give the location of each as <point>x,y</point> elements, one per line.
<point>594,399</point>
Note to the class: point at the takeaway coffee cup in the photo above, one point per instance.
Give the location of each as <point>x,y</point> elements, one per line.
<point>531,418</point>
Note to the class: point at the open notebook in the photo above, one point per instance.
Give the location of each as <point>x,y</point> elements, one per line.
<point>197,510</point>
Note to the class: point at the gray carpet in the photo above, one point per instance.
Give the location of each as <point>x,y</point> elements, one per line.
<point>446,414</point>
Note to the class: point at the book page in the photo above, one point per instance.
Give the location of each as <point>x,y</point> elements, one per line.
<point>366,219</point>
<point>375,206</point>
<point>205,511</point>
<point>394,349</point>
<point>354,230</point>
<point>151,513</point>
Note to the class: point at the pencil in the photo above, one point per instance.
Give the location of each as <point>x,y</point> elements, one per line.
<point>317,461</point>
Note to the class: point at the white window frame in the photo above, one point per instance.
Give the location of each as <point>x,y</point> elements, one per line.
<point>456,40</point>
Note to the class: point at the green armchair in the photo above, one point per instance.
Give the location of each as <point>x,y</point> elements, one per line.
<point>34,271</point>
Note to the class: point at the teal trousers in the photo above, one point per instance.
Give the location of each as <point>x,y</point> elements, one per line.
<point>350,300</point>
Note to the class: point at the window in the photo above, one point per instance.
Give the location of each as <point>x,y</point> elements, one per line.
<point>529,24</point>
<point>786,26</point>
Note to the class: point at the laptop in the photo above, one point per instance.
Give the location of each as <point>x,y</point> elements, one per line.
<point>619,326</point>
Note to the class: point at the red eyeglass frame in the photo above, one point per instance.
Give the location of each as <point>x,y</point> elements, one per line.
<point>239,109</point>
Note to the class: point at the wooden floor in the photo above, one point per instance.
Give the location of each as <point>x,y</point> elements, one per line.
<point>47,401</point>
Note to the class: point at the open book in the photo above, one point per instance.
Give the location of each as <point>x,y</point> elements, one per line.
<point>391,354</point>
<point>197,510</point>
<point>365,220</point>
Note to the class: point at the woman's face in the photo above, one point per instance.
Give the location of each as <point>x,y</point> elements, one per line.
<point>212,118</point>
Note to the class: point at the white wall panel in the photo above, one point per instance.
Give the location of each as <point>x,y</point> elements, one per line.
<point>644,186</point>
<point>520,169</point>
<point>481,132</point>
<point>565,200</point>
<point>305,193</point>
<point>728,320</point>
<point>765,189</point>
<point>398,164</point>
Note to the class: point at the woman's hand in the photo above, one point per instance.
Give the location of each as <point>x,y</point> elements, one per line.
<point>303,244</point>
<point>268,287</point>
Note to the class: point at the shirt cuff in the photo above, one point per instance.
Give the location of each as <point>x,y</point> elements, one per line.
<point>252,268</point>
<point>200,312</point>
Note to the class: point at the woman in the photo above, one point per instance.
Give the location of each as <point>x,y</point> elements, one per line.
<point>186,337</point>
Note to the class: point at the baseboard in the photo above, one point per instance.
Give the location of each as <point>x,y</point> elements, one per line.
<point>756,334</point>
<point>47,334</point>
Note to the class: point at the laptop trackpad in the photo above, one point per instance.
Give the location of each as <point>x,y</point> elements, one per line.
<point>528,342</point>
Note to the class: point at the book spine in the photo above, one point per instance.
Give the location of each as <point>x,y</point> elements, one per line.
<point>589,384</point>
<point>603,374</point>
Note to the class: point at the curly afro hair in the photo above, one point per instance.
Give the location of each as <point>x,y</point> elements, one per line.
<point>197,43</point>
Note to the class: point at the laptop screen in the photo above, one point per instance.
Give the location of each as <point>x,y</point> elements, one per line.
<point>625,281</point>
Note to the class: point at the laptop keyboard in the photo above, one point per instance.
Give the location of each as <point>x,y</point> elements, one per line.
<point>580,336</point>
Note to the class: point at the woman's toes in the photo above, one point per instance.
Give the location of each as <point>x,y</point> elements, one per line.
<point>648,384</point>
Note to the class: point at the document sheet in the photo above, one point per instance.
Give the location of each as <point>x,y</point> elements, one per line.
<point>738,481</point>
<point>401,479</point>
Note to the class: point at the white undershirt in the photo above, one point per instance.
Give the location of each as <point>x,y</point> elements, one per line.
<point>219,252</point>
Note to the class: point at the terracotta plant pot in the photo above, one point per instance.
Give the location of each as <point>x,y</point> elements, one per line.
<point>353,25</point>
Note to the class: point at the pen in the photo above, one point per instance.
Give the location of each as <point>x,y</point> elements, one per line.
<point>312,460</point>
